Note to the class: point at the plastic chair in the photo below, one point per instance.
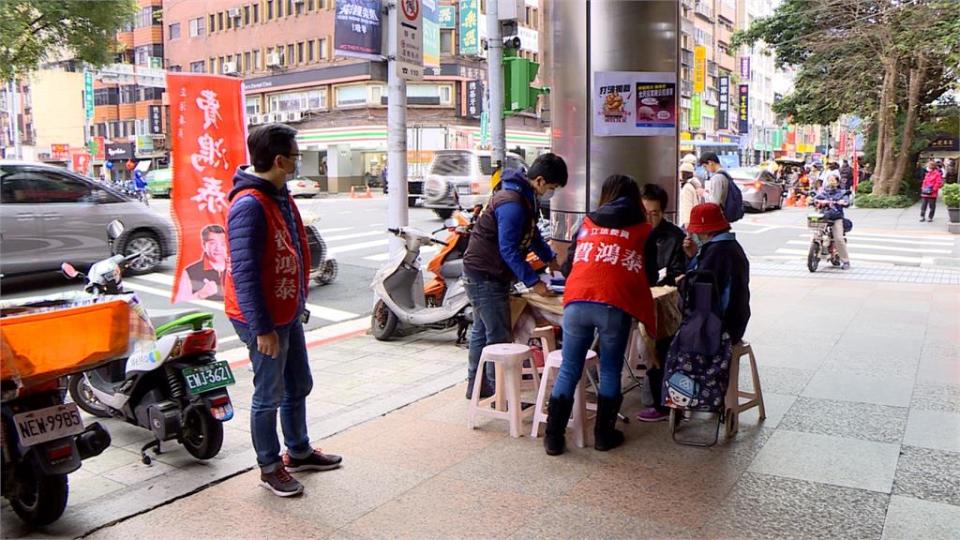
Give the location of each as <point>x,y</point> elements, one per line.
<point>508,359</point>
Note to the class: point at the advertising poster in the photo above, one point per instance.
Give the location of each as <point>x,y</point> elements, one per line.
<point>743,109</point>
<point>699,68</point>
<point>358,29</point>
<point>696,112</point>
<point>431,34</point>
<point>409,36</point>
<point>209,143</point>
<point>634,103</point>
<point>723,98</point>
<point>469,27</point>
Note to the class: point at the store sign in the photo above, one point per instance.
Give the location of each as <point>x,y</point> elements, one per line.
<point>59,152</point>
<point>144,144</point>
<point>448,17</point>
<point>118,152</point>
<point>744,68</point>
<point>723,107</point>
<point>358,29</point>
<point>133,74</point>
<point>88,95</point>
<point>699,68</point>
<point>409,36</point>
<point>743,109</point>
<point>696,112</point>
<point>156,119</point>
<point>96,148</point>
<point>470,27</point>
<point>529,39</point>
<point>431,34</point>
<point>474,98</point>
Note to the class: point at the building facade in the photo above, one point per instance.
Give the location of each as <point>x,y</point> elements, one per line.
<point>284,52</point>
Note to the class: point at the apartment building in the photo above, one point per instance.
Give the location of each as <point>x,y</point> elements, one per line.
<point>284,52</point>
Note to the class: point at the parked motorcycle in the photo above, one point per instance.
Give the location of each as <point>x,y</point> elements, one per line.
<point>822,246</point>
<point>176,389</point>
<point>400,291</point>
<point>323,269</point>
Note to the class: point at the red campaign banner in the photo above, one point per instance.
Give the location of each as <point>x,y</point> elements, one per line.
<point>80,161</point>
<point>209,143</point>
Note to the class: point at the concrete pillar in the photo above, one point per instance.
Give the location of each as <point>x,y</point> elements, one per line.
<point>342,164</point>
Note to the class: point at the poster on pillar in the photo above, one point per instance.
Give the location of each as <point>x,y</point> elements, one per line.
<point>358,29</point>
<point>209,143</point>
<point>409,40</point>
<point>634,104</point>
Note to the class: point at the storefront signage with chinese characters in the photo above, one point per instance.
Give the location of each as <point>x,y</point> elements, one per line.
<point>744,68</point>
<point>723,106</point>
<point>743,109</point>
<point>469,28</point>
<point>156,119</point>
<point>699,68</point>
<point>474,98</point>
<point>358,29</point>
<point>448,17</point>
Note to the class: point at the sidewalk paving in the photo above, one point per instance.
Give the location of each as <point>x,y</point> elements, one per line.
<point>862,440</point>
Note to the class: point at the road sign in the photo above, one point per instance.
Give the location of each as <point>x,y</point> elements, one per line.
<point>409,36</point>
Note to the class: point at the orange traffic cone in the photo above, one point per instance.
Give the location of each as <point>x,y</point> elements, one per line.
<point>791,199</point>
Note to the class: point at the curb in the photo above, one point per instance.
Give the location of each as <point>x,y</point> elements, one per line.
<point>239,356</point>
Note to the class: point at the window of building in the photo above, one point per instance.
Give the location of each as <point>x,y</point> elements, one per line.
<point>289,10</point>
<point>197,28</point>
<point>376,94</point>
<point>298,8</point>
<point>446,41</point>
<point>106,96</point>
<point>269,10</point>
<point>322,4</point>
<point>231,22</point>
<point>279,8</point>
<point>351,96</point>
<point>300,58</point>
<point>149,93</point>
<point>310,51</point>
<point>256,60</point>
<point>252,104</point>
<point>291,59</point>
<point>173,31</point>
<point>322,48</point>
<point>213,66</point>
<point>149,16</point>
<point>246,15</point>
<point>197,67</point>
<point>220,21</point>
<point>256,13</point>
<point>310,5</point>
<point>246,62</point>
<point>532,17</point>
<point>300,101</point>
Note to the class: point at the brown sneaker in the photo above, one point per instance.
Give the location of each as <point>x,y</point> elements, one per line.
<point>317,461</point>
<point>281,483</point>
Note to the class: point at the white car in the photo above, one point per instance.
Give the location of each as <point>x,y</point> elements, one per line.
<point>303,187</point>
<point>461,176</point>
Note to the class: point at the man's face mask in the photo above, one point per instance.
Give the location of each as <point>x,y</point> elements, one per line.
<point>698,240</point>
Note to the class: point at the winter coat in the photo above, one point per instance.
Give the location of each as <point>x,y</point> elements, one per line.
<point>689,197</point>
<point>933,180</point>
<point>838,195</point>
<point>670,256</point>
<point>724,257</point>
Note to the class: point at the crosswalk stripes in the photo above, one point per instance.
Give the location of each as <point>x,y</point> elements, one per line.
<point>891,249</point>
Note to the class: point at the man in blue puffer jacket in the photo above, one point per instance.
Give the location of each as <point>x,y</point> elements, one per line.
<point>265,291</point>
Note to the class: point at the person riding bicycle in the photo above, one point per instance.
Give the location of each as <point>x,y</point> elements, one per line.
<point>832,200</point>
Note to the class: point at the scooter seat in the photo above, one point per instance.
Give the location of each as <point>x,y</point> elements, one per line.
<point>452,269</point>
<point>160,317</point>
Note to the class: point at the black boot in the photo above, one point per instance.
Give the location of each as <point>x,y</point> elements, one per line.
<point>558,414</point>
<point>605,435</point>
<point>486,390</point>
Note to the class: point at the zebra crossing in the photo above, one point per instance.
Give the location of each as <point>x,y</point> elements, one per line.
<point>894,249</point>
<point>366,245</point>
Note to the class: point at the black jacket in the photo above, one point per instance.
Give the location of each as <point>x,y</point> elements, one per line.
<point>670,255</point>
<point>724,257</point>
<point>618,214</point>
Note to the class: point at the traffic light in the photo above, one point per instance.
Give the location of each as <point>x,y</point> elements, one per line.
<point>518,74</point>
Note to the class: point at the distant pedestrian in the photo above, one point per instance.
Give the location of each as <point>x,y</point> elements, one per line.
<point>716,185</point>
<point>691,193</point>
<point>846,175</point>
<point>929,190</point>
<point>265,291</point>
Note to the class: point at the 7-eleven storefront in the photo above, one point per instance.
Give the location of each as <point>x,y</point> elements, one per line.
<point>345,157</point>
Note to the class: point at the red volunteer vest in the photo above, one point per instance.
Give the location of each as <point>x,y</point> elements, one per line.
<point>608,268</point>
<point>281,272</point>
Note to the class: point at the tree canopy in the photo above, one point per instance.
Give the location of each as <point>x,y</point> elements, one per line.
<point>32,31</point>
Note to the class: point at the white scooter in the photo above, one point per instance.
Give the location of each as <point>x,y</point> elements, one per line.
<point>399,289</point>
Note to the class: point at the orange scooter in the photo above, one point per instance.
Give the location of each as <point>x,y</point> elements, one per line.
<point>448,262</point>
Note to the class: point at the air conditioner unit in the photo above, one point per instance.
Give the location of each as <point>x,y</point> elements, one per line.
<point>276,117</point>
<point>294,116</point>
<point>253,119</point>
<point>230,68</point>
<point>233,13</point>
<point>273,60</point>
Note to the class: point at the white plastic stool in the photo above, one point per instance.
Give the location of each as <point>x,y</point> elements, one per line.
<point>578,421</point>
<point>508,359</point>
<point>732,402</point>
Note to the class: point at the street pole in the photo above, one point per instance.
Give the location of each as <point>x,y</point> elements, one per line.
<point>495,88</point>
<point>397,213</point>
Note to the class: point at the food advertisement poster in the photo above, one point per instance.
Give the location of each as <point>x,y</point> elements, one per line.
<point>634,104</point>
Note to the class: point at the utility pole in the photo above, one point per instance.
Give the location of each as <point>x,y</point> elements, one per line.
<point>397,213</point>
<point>16,117</point>
<point>495,86</point>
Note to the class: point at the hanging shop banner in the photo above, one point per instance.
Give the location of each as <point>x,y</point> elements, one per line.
<point>723,97</point>
<point>209,143</point>
<point>474,98</point>
<point>469,27</point>
<point>634,103</point>
<point>744,68</point>
<point>156,119</point>
<point>699,68</point>
<point>80,161</point>
<point>358,29</point>
<point>448,17</point>
<point>88,95</point>
<point>409,36</point>
<point>431,34</point>
<point>743,109</point>
<point>696,112</point>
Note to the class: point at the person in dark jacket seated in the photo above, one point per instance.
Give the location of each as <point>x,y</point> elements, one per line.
<point>712,247</point>
<point>671,264</point>
<point>265,291</point>
<point>496,256</point>
<point>612,266</point>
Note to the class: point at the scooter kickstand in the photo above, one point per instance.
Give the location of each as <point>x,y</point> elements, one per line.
<point>144,458</point>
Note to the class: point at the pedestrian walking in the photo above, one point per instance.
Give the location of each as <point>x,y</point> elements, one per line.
<point>496,256</point>
<point>929,190</point>
<point>613,262</point>
<point>691,192</point>
<point>265,290</point>
<point>721,189</point>
<point>846,175</point>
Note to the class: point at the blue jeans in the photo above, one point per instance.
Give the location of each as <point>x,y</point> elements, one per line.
<point>280,383</point>
<point>491,319</point>
<point>580,321</point>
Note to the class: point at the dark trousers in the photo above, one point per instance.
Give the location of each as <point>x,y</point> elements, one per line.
<point>655,374</point>
<point>928,202</point>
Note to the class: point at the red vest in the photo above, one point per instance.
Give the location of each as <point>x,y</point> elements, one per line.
<point>281,273</point>
<point>608,268</point>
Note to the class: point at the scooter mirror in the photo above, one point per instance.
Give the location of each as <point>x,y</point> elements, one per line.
<point>448,223</point>
<point>68,270</point>
<point>114,229</point>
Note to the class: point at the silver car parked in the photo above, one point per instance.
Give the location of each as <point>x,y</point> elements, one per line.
<point>761,191</point>
<point>49,215</point>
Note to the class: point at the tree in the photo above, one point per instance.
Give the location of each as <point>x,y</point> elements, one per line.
<point>32,31</point>
<point>883,60</point>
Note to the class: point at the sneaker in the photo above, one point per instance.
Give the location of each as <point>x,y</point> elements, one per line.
<point>651,414</point>
<point>317,461</point>
<point>845,266</point>
<point>922,220</point>
<point>281,483</point>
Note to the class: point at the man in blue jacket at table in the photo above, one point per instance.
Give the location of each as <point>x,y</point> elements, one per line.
<point>496,256</point>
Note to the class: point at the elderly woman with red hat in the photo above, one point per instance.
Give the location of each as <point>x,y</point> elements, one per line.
<point>712,247</point>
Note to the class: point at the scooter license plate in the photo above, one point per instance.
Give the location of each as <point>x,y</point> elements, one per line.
<point>202,379</point>
<point>49,424</point>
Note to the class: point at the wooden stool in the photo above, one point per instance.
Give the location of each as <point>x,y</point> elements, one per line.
<point>732,403</point>
<point>578,420</point>
<point>508,359</point>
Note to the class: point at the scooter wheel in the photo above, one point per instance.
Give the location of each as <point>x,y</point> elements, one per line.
<point>37,498</point>
<point>383,322</point>
<point>82,395</point>
<point>202,434</point>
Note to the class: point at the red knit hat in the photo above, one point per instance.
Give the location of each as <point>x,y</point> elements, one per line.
<point>707,218</point>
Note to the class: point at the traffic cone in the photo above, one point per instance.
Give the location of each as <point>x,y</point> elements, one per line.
<point>353,192</point>
<point>791,199</point>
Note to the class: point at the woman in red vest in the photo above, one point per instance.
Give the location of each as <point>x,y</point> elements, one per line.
<point>612,266</point>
